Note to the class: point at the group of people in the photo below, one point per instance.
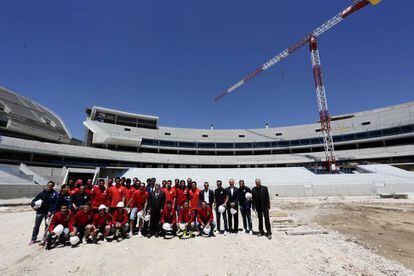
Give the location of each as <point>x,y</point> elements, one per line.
<point>123,208</point>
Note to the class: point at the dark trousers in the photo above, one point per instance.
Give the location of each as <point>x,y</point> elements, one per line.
<point>154,221</point>
<point>265,214</point>
<point>247,218</point>
<point>218,220</point>
<point>233,227</point>
<point>38,222</point>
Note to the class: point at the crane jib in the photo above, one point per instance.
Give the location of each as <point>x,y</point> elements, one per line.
<point>317,32</point>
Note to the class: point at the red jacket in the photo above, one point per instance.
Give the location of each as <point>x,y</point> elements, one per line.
<point>194,198</point>
<point>121,217</point>
<point>99,221</point>
<point>205,215</point>
<point>186,216</point>
<point>182,196</point>
<point>80,219</point>
<point>115,195</point>
<point>99,196</point>
<point>59,218</point>
<point>138,199</point>
<point>168,216</point>
<point>169,195</point>
<point>73,191</point>
<point>128,194</point>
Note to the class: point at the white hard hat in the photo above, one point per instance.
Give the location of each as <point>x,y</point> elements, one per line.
<point>58,229</point>
<point>206,230</point>
<point>221,209</point>
<point>233,211</point>
<point>166,226</point>
<point>38,202</point>
<point>120,205</point>
<point>182,226</point>
<point>102,206</point>
<point>248,196</point>
<point>74,240</point>
<point>147,217</point>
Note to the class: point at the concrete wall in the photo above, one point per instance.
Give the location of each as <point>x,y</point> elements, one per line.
<point>362,189</point>
<point>50,173</point>
<point>19,191</point>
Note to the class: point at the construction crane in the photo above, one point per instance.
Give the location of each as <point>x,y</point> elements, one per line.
<point>311,39</point>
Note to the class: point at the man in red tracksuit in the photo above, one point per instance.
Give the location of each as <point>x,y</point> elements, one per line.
<point>73,190</point>
<point>81,223</point>
<point>129,190</point>
<point>182,196</point>
<point>78,183</point>
<point>99,195</point>
<point>205,219</point>
<point>168,216</point>
<point>170,193</point>
<point>137,203</point>
<point>116,194</point>
<point>120,221</point>
<point>102,222</point>
<point>186,217</point>
<point>61,217</point>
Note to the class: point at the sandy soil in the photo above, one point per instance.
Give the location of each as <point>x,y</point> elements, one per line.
<point>242,254</point>
<point>385,226</point>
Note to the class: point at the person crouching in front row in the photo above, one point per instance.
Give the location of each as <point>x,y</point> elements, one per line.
<point>58,231</point>
<point>81,223</point>
<point>120,221</point>
<point>168,221</point>
<point>205,220</point>
<point>102,223</point>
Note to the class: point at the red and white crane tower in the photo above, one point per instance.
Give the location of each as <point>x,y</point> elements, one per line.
<point>325,119</point>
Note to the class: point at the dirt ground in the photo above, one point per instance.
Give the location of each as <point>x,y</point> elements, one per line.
<point>385,226</point>
<point>242,254</point>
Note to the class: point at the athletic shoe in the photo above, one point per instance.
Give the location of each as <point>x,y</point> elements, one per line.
<point>225,233</point>
<point>31,242</point>
<point>269,237</point>
<point>139,235</point>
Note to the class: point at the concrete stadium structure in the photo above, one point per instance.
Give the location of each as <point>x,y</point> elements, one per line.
<point>117,142</point>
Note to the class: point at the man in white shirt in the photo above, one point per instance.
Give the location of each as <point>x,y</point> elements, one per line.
<point>207,195</point>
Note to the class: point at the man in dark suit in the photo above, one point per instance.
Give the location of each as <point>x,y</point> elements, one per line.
<point>261,203</point>
<point>221,197</point>
<point>233,203</point>
<point>207,195</point>
<point>245,207</point>
<point>155,205</point>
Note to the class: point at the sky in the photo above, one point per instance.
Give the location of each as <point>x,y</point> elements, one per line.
<point>171,58</point>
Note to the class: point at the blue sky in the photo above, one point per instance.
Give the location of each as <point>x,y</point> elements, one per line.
<point>170,58</point>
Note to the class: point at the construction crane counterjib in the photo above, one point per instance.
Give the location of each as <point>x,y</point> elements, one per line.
<point>357,5</point>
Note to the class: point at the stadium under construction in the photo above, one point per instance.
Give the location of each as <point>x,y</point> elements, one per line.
<point>374,149</point>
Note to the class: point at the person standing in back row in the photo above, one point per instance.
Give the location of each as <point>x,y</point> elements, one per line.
<point>261,203</point>
<point>245,207</point>
<point>233,204</point>
<point>207,195</point>
<point>155,206</point>
<point>45,204</point>
<point>221,198</point>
